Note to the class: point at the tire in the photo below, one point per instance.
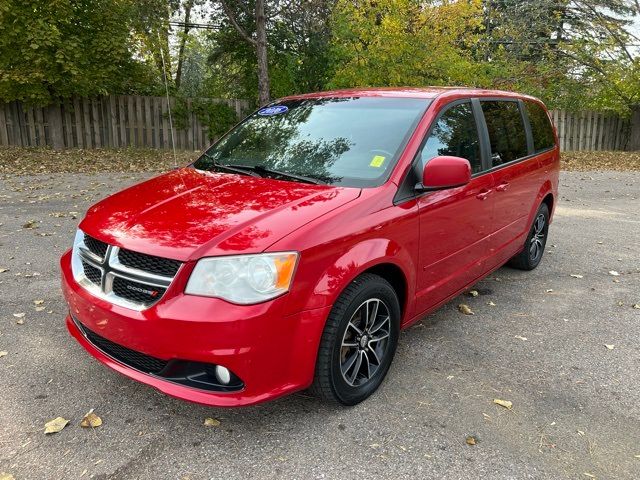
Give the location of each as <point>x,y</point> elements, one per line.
<point>349,344</point>
<point>531,255</point>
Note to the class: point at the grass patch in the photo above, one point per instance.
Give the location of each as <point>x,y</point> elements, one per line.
<point>28,161</point>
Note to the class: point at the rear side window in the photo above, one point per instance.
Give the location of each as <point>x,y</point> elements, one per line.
<point>456,134</point>
<point>541,128</point>
<point>506,131</point>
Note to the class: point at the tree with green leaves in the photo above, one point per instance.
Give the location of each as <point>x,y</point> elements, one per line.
<point>50,50</point>
<point>574,54</point>
<point>405,42</point>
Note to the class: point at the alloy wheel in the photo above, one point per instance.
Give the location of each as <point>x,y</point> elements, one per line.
<point>365,342</point>
<point>536,244</point>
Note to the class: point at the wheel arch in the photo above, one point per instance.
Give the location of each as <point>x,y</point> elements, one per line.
<point>396,278</point>
<point>545,195</point>
<point>379,256</point>
<point>550,202</point>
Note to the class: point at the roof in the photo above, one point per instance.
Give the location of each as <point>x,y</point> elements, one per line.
<point>408,92</point>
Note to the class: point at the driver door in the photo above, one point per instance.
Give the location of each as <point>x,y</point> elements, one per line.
<point>454,223</point>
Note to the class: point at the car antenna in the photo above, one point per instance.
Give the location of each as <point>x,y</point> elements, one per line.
<point>166,87</point>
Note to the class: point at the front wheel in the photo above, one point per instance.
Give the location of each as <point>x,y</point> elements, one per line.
<point>530,257</point>
<point>358,342</point>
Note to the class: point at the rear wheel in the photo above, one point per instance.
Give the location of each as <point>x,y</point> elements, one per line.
<point>358,342</point>
<point>530,257</point>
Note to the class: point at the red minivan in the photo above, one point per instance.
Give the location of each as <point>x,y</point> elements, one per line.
<point>293,251</point>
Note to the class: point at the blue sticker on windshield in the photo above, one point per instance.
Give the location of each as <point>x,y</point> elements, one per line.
<point>275,110</point>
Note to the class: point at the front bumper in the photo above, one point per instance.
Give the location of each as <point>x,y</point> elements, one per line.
<point>273,354</point>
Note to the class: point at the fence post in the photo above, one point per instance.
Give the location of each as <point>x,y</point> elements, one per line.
<point>4,136</point>
<point>634,130</point>
<point>54,119</point>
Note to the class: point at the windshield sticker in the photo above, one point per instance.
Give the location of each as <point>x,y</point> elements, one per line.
<point>377,161</point>
<point>275,110</point>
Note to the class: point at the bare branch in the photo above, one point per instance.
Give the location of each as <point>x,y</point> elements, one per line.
<point>236,25</point>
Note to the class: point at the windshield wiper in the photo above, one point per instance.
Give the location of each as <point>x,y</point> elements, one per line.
<point>301,178</point>
<point>232,168</point>
<point>260,170</point>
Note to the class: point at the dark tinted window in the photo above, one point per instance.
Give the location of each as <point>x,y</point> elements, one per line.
<point>456,134</point>
<point>506,131</point>
<point>352,142</point>
<point>541,128</point>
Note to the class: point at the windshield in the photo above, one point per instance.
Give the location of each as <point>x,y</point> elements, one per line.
<point>350,142</point>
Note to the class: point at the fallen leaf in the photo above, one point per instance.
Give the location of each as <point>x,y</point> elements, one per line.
<point>19,315</point>
<point>636,306</point>
<point>38,302</point>
<point>2,270</point>
<point>471,440</point>
<point>55,425</point>
<point>30,224</point>
<point>609,347</point>
<point>521,338</point>
<point>549,290</point>
<point>91,420</point>
<point>580,432</point>
<point>211,422</point>
<point>614,273</point>
<point>587,474</point>
<point>473,293</point>
<point>491,304</point>
<point>3,353</point>
<point>20,321</point>
<point>575,275</point>
<point>465,309</point>
<point>503,403</point>
<point>6,476</point>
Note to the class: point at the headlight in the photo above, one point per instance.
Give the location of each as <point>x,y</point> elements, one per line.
<point>243,278</point>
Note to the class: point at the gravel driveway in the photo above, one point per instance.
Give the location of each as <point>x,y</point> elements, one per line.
<point>563,349</point>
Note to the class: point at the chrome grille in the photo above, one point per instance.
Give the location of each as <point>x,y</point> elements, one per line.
<point>149,263</point>
<point>92,273</point>
<point>95,246</point>
<point>123,277</point>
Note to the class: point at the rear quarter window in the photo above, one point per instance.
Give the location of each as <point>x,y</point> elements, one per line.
<point>541,128</point>
<point>506,130</point>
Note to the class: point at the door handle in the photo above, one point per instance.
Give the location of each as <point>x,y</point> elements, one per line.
<point>483,194</point>
<point>502,187</point>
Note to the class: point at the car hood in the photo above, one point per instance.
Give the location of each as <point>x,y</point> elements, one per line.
<point>187,213</point>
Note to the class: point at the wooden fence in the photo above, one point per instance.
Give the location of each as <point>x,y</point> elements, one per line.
<point>105,122</point>
<point>587,130</point>
<point>137,121</point>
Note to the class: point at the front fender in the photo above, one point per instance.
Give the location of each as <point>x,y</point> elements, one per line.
<point>356,260</point>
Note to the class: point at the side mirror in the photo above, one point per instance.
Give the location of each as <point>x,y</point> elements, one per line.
<point>445,172</point>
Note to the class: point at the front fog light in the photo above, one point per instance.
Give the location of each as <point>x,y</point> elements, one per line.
<point>223,374</point>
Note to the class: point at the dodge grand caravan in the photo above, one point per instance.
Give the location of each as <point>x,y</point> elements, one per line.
<point>293,251</point>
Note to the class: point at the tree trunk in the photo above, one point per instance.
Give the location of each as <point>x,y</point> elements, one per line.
<point>261,52</point>
<point>187,16</point>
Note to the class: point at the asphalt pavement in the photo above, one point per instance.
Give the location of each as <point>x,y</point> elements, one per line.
<point>560,343</point>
